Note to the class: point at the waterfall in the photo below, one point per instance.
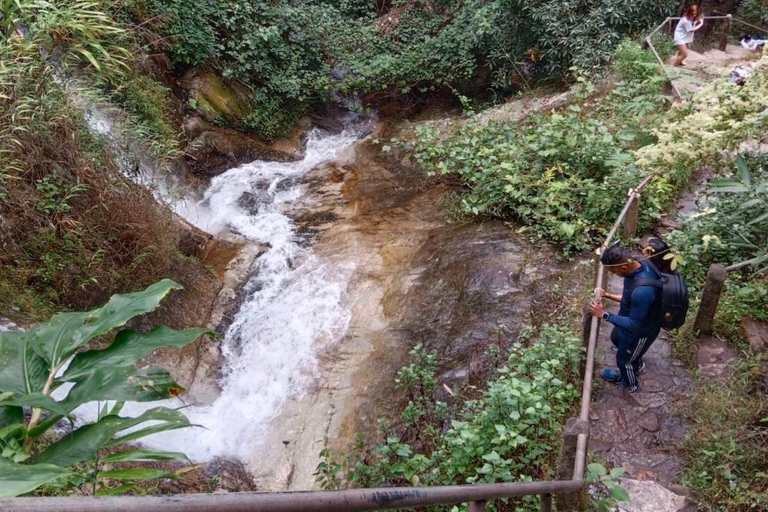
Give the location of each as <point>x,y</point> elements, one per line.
<point>294,306</point>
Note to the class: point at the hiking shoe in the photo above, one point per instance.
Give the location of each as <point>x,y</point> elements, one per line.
<point>641,367</point>
<point>614,348</point>
<point>611,375</point>
<point>632,389</point>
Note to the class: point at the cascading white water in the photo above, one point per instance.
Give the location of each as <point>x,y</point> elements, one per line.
<point>294,306</point>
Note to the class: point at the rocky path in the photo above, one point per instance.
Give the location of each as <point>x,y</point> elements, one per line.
<point>712,64</point>
<point>643,432</point>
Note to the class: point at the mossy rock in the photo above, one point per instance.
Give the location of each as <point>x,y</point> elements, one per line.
<point>217,100</point>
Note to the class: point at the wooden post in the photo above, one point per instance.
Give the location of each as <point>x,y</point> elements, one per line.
<point>567,460</point>
<point>726,33</point>
<point>710,297</point>
<point>630,221</point>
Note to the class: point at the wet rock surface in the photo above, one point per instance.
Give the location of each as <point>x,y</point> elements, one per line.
<point>214,149</point>
<point>416,279</point>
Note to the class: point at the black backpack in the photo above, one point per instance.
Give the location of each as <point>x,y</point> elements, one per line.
<point>674,298</point>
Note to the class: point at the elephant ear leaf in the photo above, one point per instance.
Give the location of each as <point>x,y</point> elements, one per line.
<point>22,371</point>
<point>58,339</point>
<point>84,443</point>
<point>123,384</point>
<point>17,479</point>
<point>130,346</point>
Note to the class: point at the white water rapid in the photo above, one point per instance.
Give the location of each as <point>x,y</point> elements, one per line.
<point>294,306</point>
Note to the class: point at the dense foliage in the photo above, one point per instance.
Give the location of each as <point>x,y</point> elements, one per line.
<point>563,173</point>
<point>732,224</point>
<point>74,230</point>
<point>296,52</point>
<point>510,433</point>
<point>31,371</point>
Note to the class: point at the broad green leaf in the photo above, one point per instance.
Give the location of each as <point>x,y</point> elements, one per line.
<point>56,340</point>
<point>22,371</point>
<point>750,204</point>
<point>84,443</point>
<point>746,176</point>
<point>124,384</point>
<point>722,186</point>
<point>44,426</point>
<point>11,415</point>
<point>618,493</point>
<point>128,347</point>
<point>136,474</point>
<point>17,479</point>
<point>759,219</point>
<point>39,401</point>
<point>617,472</point>
<point>141,455</point>
<point>597,469</point>
<point>116,491</point>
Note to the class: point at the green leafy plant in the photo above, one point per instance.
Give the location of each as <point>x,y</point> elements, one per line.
<point>54,194</point>
<point>606,491</point>
<point>563,174</point>
<point>37,362</point>
<point>733,225</point>
<point>509,433</point>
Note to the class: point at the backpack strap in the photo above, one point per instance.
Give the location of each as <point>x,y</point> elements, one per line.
<point>655,283</point>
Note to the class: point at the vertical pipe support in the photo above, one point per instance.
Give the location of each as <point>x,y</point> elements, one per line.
<point>546,503</point>
<point>630,221</point>
<point>726,32</point>
<point>569,452</point>
<point>710,297</point>
<point>602,283</point>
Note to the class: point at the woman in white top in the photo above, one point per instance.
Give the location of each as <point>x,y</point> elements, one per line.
<point>690,23</point>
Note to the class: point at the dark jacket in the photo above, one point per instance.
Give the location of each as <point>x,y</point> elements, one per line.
<point>638,314</point>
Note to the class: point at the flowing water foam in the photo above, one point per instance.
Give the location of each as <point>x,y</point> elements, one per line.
<point>294,307</point>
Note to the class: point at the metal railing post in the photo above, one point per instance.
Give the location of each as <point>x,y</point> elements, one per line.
<point>630,221</point>
<point>726,32</point>
<point>569,453</point>
<point>710,297</point>
<point>546,503</point>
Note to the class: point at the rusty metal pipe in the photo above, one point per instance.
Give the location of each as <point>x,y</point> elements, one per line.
<point>310,501</point>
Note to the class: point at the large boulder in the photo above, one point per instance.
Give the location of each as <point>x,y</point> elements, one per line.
<point>756,333</point>
<point>213,149</point>
<point>215,99</point>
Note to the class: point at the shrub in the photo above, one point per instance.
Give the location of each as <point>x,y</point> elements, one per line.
<point>733,227</point>
<point>510,433</point>
<point>564,174</point>
<point>31,370</point>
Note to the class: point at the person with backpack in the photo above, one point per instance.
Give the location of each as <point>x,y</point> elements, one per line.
<point>650,300</point>
<point>656,250</point>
